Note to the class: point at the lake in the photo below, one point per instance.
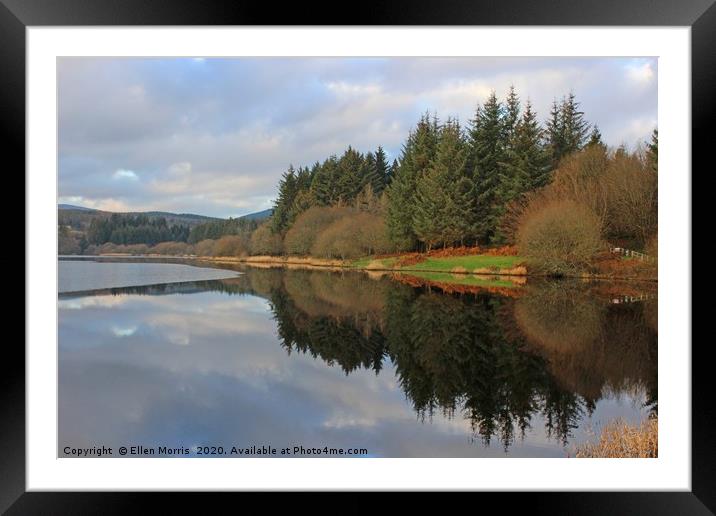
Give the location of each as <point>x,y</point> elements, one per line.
<point>176,360</point>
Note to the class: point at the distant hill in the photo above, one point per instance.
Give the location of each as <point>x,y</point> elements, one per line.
<point>169,215</point>
<point>259,215</point>
<point>72,207</point>
<point>81,228</point>
<point>79,217</point>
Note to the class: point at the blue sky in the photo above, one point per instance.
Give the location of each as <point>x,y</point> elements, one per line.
<point>212,136</point>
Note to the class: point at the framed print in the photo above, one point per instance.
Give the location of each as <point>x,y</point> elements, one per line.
<point>443,248</point>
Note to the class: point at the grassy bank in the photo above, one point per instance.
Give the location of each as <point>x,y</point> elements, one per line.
<point>619,439</point>
<point>465,269</point>
<point>469,264</point>
<point>452,265</point>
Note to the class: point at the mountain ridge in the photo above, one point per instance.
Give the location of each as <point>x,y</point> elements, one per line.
<point>258,215</point>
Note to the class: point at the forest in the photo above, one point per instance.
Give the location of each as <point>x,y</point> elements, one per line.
<point>552,191</point>
<point>504,179</point>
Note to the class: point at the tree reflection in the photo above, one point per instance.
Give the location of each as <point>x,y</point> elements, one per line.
<point>547,355</point>
<point>497,361</point>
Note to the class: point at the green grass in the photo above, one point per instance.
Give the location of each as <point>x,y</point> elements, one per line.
<point>463,279</point>
<point>470,263</point>
<point>362,263</point>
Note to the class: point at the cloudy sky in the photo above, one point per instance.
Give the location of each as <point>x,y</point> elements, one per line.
<point>213,136</point>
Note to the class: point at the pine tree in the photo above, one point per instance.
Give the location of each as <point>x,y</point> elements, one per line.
<point>652,151</point>
<point>417,155</point>
<point>390,173</point>
<point>323,183</point>
<point>567,130</point>
<point>441,209</point>
<point>595,138</point>
<point>351,174</point>
<point>370,170</point>
<point>287,189</point>
<point>381,172</point>
<point>530,155</point>
<point>526,166</point>
<point>487,152</point>
<point>430,200</point>
<point>512,114</point>
<point>555,134</point>
<point>575,128</point>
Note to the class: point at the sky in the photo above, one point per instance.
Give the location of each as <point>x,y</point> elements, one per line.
<point>212,136</point>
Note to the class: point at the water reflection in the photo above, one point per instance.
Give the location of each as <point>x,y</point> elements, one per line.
<point>538,362</point>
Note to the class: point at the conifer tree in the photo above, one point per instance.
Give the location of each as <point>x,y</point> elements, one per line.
<point>369,164</point>
<point>526,166</point>
<point>417,154</point>
<point>487,152</point>
<point>375,169</point>
<point>381,171</point>
<point>323,183</point>
<point>287,189</point>
<point>512,114</point>
<point>652,151</point>
<point>567,130</point>
<point>390,174</point>
<point>575,127</point>
<point>595,137</point>
<point>555,134</point>
<point>350,176</point>
<point>530,156</point>
<point>441,208</point>
<point>430,201</point>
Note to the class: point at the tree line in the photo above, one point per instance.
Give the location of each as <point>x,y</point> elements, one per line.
<point>134,229</point>
<point>216,229</point>
<point>451,184</point>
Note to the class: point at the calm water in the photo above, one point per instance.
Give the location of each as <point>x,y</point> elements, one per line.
<point>76,275</point>
<point>286,358</point>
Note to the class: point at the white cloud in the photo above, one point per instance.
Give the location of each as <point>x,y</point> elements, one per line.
<point>641,74</point>
<point>124,332</point>
<point>125,174</point>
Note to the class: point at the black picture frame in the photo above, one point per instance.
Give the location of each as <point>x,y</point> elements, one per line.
<point>16,15</point>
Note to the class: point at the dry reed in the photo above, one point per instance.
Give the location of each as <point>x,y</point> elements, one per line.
<point>619,439</point>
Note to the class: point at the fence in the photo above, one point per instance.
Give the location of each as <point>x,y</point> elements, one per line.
<point>632,299</point>
<point>631,254</point>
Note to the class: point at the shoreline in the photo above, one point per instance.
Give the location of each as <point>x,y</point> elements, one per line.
<point>371,266</point>
<point>321,263</point>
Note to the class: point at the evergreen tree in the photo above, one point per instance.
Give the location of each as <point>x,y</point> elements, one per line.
<point>526,166</point>
<point>487,152</point>
<point>529,154</point>
<point>575,128</point>
<point>287,189</point>
<point>567,130</point>
<point>441,209</point>
<point>323,183</point>
<point>512,114</point>
<point>652,151</point>
<point>417,155</point>
<point>390,173</point>
<point>381,172</point>
<point>555,134</point>
<point>351,176</point>
<point>430,201</point>
<point>595,138</point>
